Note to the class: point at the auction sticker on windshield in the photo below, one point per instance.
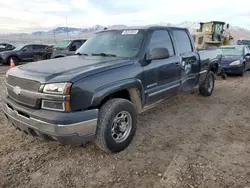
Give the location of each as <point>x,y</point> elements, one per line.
<point>130,32</point>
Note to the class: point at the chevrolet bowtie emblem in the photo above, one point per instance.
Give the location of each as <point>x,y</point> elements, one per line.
<point>17,90</point>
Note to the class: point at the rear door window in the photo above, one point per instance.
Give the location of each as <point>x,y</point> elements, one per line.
<point>183,42</point>
<point>29,48</point>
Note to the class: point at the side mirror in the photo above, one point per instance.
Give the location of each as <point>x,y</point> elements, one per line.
<point>158,53</point>
<point>24,50</point>
<point>227,26</point>
<point>247,55</point>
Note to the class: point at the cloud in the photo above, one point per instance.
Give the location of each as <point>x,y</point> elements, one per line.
<point>30,15</point>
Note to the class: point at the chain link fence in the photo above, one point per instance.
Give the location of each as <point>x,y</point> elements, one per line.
<point>18,40</point>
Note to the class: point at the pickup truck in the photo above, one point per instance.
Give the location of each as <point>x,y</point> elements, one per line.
<point>66,48</point>
<point>98,93</point>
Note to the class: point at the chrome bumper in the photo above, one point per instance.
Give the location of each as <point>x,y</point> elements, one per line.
<point>75,133</point>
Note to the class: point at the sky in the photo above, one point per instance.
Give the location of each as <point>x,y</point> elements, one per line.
<point>18,16</point>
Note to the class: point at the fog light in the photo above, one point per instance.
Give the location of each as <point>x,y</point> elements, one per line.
<point>56,105</point>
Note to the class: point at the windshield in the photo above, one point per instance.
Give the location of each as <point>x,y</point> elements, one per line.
<point>207,27</point>
<point>233,51</point>
<point>62,44</point>
<point>121,43</point>
<point>19,47</point>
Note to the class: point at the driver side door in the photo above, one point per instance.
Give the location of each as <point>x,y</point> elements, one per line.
<point>27,54</point>
<point>161,76</point>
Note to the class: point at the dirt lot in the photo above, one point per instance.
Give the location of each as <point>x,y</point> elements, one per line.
<point>189,141</point>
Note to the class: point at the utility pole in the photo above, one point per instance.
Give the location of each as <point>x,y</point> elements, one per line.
<point>54,34</point>
<point>67,27</point>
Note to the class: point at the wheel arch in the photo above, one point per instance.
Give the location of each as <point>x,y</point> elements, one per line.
<point>8,58</point>
<point>131,89</point>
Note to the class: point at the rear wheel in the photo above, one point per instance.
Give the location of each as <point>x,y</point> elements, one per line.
<point>206,89</point>
<point>116,125</point>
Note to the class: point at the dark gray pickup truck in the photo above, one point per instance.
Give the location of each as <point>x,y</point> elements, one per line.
<point>98,93</point>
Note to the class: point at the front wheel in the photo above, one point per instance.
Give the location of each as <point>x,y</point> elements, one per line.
<point>206,89</point>
<point>116,126</point>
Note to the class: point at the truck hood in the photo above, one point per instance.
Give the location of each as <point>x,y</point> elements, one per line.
<point>71,68</point>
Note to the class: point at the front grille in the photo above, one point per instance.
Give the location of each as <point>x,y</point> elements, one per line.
<point>22,99</point>
<point>26,84</point>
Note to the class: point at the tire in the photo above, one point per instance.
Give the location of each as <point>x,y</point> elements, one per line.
<point>105,137</point>
<point>206,89</point>
<point>243,70</point>
<point>15,60</point>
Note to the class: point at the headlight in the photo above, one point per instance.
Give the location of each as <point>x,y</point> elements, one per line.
<point>57,88</point>
<point>235,62</point>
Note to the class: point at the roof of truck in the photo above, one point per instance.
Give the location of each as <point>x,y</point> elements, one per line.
<point>146,27</point>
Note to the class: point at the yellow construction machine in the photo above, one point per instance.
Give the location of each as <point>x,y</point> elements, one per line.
<point>212,34</point>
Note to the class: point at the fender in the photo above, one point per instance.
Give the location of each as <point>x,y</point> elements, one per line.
<point>212,64</point>
<point>203,78</point>
<point>106,90</point>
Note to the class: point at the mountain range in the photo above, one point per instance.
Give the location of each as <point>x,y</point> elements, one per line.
<point>237,32</point>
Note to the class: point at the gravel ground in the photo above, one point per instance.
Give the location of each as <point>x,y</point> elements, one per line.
<point>189,141</point>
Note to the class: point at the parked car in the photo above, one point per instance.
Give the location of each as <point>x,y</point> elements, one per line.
<point>98,93</point>
<point>67,48</point>
<point>6,47</point>
<point>23,53</point>
<point>244,42</point>
<point>236,59</point>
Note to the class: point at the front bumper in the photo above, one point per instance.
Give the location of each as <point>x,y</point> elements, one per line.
<point>234,69</point>
<point>66,128</point>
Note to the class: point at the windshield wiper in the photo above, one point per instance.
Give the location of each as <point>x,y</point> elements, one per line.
<point>78,53</point>
<point>104,54</point>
